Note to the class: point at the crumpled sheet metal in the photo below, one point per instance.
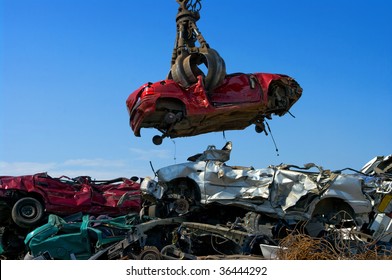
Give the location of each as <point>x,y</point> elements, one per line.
<point>378,184</point>
<point>220,182</point>
<point>223,182</point>
<point>378,165</point>
<point>150,187</point>
<point>185,171</point>
<point>345,183</point>
<point>274,189</point>
<point>289,187</point>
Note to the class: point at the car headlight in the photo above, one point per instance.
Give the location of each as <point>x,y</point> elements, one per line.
<point>151,187</point>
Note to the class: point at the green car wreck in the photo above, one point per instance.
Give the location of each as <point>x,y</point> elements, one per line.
<point>77,237</point>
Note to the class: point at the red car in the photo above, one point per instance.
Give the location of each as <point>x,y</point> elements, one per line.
<point>27,199</point>
<point>241,100</point>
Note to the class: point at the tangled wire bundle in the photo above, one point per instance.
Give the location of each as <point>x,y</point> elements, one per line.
<point>336,245</point>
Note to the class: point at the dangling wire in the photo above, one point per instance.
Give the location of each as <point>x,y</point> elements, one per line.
<point>212,243</point>
<point>224,135</point>
<point>276,147</point>
<point>291,114</point>
<point>175,151</point>
<point>153,170</point>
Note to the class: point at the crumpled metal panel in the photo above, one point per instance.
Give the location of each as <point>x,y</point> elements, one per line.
<point>219,182</point>
<point>275,190</point>
<point>224,182</point>
<point>190,170</point>
<point>378,165</point>
<point>64,195</point>
<point>289,187</point>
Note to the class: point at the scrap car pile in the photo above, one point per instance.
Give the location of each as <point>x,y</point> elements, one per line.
<point>200,209</point>
<point>203,208</point>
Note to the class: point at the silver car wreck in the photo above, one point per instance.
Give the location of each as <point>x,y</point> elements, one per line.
<point>284,192</point>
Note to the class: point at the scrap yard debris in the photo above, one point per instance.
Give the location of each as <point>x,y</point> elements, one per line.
<point>26,201</point>
<point>207,209</point>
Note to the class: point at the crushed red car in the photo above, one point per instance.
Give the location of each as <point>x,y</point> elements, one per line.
<point>27,199</point>
<point>241,100</point>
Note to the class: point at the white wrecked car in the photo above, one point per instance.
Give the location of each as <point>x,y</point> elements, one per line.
<point>286,192</point>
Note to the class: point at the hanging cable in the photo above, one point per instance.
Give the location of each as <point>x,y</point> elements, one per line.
<point>276,147</point>
<point>291,114</point>
<point>175,151</point>
<point>153,170</point>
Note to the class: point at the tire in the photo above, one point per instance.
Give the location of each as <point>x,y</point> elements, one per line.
<point>170,118</point>
<point>157,140</point>
<point>259,129</point>
<point>27,212</point>
<point>149,253</point>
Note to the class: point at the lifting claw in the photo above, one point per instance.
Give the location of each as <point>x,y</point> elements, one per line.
<point>187,57</point>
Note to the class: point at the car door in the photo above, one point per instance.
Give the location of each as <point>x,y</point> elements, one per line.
<point>237,89</point>
<point>63,195</point>
<point>225,183</point>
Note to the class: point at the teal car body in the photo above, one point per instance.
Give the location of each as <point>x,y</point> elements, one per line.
<point>77,239</point>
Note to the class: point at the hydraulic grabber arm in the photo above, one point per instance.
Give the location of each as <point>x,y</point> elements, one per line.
<point>187,56</point>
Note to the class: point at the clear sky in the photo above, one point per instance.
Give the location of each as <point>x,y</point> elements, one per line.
<point>68,66</point>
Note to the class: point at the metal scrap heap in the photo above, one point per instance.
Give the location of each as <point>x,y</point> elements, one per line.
<point>207,209</point>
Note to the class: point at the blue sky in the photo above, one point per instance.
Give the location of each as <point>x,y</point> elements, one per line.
<point>67,67</point>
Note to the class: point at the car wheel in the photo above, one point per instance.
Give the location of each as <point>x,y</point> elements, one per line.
<point>157,140</point>
<point>170,118</point>
<point>181,206</point>
<point>149,253</point>
<point>27,212</point>
<point>259,129</point>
